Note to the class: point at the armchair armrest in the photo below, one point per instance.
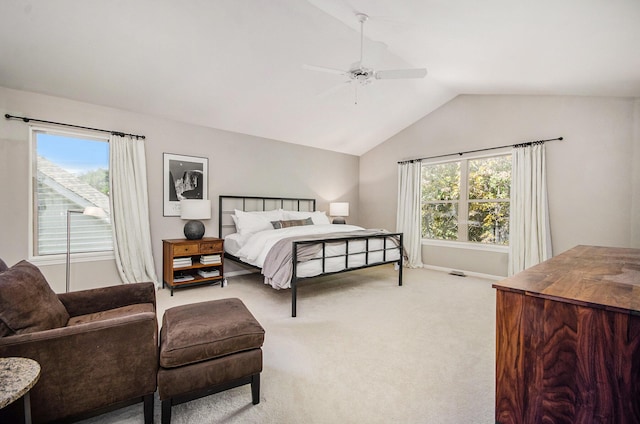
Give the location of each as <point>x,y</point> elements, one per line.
<point>96,300</point>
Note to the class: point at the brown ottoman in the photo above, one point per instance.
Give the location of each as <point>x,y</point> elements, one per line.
<point>206,348</point>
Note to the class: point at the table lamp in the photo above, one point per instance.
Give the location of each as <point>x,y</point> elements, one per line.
<point>193,210</point>
<point>339,210</point>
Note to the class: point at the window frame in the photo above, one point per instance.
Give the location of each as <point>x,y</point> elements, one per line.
<point>58,258</point>
<point>463,205</point>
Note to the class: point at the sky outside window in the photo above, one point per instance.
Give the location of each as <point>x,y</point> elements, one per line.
<point>75,155</point>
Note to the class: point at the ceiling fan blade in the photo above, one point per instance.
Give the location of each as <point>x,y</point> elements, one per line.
<point>323,69</point>
<point>401,73</point>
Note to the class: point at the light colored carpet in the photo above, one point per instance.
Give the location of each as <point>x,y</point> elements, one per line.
<point>362,350</point>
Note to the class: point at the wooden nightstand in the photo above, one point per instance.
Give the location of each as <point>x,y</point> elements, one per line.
<point>192,262</point>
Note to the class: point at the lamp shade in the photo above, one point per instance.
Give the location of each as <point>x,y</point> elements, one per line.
<point>339,209</point>
<point>195,209</point>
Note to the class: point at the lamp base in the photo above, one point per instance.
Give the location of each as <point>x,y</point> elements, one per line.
<point>339,220</point>
<point>194,230</point>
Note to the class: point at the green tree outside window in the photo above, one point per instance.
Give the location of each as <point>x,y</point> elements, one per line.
<point>478,189</point>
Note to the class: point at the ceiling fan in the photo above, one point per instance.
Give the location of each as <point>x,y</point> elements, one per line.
<point>363,75</point>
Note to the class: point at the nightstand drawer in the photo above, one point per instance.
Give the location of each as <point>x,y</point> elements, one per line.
<point>211,246</point>
<point>185,249</point>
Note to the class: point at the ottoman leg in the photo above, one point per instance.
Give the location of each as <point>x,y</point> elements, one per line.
<point>166,411</point>
<point>148,409</point>
<point>255,389</point>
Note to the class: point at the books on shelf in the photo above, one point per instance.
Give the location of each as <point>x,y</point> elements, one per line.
<point>182,278</point>
<point>181,262</point>
<point>208,274</point>
<point>210,259</point>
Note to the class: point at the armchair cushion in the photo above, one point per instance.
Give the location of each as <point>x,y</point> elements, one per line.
<point>112,313</point>
<point>27,303</point>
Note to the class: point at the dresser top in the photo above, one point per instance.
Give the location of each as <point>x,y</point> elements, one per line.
<point>605,277</point>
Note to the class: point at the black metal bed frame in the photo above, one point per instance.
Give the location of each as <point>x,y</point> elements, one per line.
<point>395,239</point>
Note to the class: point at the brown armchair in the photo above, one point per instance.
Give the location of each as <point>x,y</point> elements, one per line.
<point>97,349</point>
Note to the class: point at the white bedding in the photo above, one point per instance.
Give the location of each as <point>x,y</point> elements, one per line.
<point>253,249</point>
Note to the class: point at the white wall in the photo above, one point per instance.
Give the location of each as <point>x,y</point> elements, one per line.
<point>635,209</point>
<point>592,175</point>
<point>238,164</point>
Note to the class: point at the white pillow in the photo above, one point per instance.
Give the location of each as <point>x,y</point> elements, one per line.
<point>318,217</point>
<point>252,222</point>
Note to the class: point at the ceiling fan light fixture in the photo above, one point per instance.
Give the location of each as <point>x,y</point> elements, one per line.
<point>364,76</point>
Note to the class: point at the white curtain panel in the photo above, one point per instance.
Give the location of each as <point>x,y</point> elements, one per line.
<point>409,215</point>
<point>529,230</point>
<point>130,210</point>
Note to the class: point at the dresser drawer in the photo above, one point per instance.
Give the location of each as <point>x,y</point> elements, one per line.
<point>211,246</point>
<point>185,249</point>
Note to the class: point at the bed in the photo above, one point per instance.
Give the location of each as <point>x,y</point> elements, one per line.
<point>289,241</point>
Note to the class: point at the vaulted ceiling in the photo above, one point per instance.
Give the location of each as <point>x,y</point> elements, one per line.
<point>238,64</point>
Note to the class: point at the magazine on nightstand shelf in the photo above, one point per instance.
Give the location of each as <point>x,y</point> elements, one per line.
<point>182,278</point>
<point>208,274</point>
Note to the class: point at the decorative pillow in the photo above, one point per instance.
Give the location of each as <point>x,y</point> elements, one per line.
<point>318,217</point>
<point>252,222</point>
<point>291,223</point>
<point>4,330</point>
<point>27,303</point>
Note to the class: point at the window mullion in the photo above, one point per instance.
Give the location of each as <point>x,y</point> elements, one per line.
<point>463,204</point>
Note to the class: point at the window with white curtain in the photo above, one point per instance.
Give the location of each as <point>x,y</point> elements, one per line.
<point>467,200</point>
<point>70,171</point>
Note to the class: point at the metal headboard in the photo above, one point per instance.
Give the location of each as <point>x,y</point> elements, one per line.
<point>227,205</point>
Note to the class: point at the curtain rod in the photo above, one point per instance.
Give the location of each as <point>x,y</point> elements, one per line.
<point>528,143</point>
<point>25,119</point>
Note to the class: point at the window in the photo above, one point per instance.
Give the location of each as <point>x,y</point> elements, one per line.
<point>70,172</point>
<point>467,200</point>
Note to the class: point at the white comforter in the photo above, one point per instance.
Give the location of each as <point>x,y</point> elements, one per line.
<point>255,248</point>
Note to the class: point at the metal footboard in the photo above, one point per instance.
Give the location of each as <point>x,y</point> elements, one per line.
<point>391,242</point>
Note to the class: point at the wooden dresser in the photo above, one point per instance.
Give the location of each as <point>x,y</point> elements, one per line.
<point>568,339</point>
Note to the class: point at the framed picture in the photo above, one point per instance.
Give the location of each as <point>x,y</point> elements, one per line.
<point>185,177</point>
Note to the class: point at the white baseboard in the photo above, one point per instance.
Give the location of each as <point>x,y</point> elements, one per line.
<point>469,273</point>
<point>431,267</point>
<point>241,272</point>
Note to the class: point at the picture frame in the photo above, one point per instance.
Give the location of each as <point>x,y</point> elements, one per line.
<point>185,177</point>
